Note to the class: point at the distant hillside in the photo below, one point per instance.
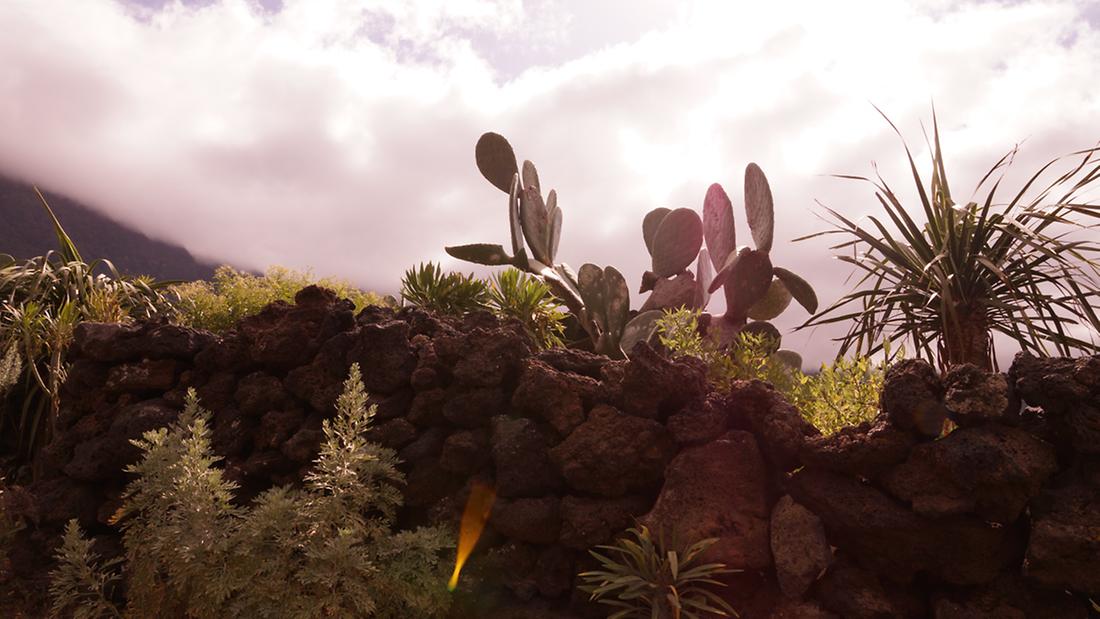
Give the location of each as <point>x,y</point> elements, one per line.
<point>25,231</point>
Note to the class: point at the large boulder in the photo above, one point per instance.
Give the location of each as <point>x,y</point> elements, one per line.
<point>799,547</point>
<point>912,397</point>
<point>587,522</point>
<point>613,453</point>
<point>975,396</point>
<point>1064,549</point>
<point>855,593</point>
<point>718,490</point>
<point>782,430</point>
<point>655,386</point>
<point>885,536</point>
<point>864,450</point>
<point>990,470</point>
<point>554,396</point>
<point>283,336</point>
<point>522,459</point>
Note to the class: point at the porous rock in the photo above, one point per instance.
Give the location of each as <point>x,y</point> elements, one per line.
<point>522,459</point>
<point>777,424</point>
<point>975,396</point>
<point>990,470</point>
<point>799,547</point>
<point>718,490</point>
<point>613,453</point>
<point>864,450</point>
<point>912,397</point>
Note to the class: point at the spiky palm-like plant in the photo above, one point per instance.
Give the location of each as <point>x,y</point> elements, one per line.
<point>643,578</point>
<point>1026,267</point>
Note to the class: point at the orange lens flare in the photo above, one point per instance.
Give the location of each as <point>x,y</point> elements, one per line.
<point>478,507</point>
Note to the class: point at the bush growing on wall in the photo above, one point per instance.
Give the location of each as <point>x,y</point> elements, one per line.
<point>234,294</point>
<point>327,549</point>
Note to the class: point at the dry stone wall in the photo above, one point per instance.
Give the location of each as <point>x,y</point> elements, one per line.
<point>1000,517</point>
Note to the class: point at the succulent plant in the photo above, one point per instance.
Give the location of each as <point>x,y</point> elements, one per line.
<point>754,288</point>
<point>598,298</point>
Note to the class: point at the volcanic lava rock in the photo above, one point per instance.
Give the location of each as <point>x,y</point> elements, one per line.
<point>912,397</point>
<point>799,547</point>
<point>613,453</point>
<point>718,490</point>
<point>864,450</point>
<point>990,470</point>
<point>975,396</point>
<point>777,424</point>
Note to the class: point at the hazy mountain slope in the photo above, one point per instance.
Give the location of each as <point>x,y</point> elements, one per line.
<point>25,231</point>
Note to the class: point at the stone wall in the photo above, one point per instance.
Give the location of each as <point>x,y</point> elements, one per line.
<point>1001,517</point>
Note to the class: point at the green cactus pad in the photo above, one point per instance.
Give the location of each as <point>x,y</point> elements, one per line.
<point>677,242</point>
<point>765,328</point>
<point>515,227</point>
<point>530,176</point>
<point>640,329</point>
<point>703,276</point>
<point>759,207</point>
<point>748,280</point>
<point>775,300</point>
<point>532,213</point>
<point>800,289</point>
<point>553,219</point>
<point>481,253</point>
<point>496,160</point>
<point>606,297</point>
<point>672,293</point>
<point>788,357</point>
<point>718,226</point>
<point>650,224</point>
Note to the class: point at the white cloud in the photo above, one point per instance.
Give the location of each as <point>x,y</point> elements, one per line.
<point>339,135</point>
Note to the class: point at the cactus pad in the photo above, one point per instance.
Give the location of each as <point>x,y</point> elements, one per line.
<point>496,160</point>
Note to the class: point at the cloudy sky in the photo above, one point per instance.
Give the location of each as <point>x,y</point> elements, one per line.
<point>338,135</point>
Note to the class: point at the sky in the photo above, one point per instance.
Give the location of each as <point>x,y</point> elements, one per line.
<point>338,135</point>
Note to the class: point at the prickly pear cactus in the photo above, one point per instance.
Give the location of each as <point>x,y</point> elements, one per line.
<point>598,298</point>
<point>754,288</point>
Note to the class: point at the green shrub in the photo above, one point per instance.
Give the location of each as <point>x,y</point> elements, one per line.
<point>326,549</point>
<point>41,301</point>
<point>841,394</point>
<point>645,579</point>
<point>508,294</point>
<point>233,294</point>
<point>454,294</point>
<point>514,294</point>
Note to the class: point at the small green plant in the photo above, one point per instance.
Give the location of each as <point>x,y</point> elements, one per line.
<point>41,301</point>
<point>218,305</point>
<point>454,294</point>
<point>844,393</point>
<point>515,294</point>
<point>644,579</point>
<point>326,549</point>
<point>841,394</point>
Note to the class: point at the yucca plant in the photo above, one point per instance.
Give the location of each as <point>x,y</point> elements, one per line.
<point>644,579</point>
<point>429,287</point>
<point>41,301</point>
<point>515,294</point>
<point>1025,268</point>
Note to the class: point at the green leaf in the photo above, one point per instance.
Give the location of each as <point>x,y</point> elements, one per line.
<point>718,225</point>
<point>650,224</point>
<point>676,242</point>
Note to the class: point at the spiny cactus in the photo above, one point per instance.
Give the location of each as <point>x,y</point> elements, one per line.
<point>754,288</point>
<point>598,298</point>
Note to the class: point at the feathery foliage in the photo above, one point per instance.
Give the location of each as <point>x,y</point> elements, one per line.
<point>427,286</point>
<point>41,301</point>
<point>644,579</point>
<point>1026,268</point>
<point>218,305</point>
<point>327,549</point>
